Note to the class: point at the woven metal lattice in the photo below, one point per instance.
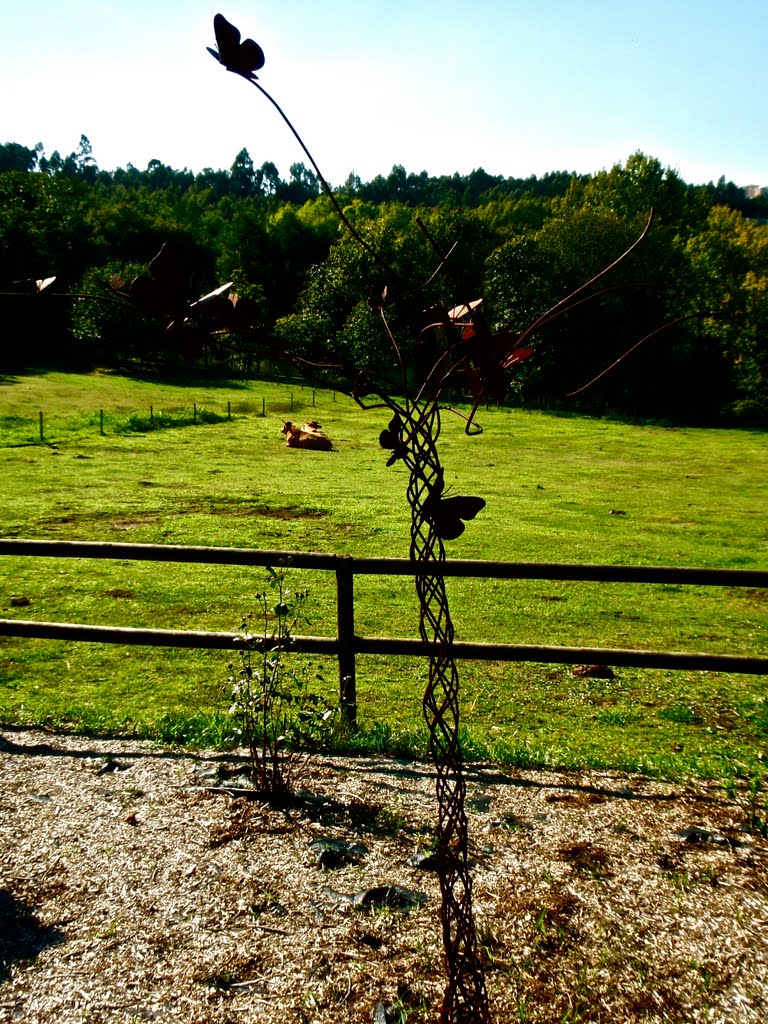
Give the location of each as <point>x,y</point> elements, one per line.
<point>415,431</point>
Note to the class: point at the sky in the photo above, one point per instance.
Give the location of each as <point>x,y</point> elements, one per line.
<point>517,87</point>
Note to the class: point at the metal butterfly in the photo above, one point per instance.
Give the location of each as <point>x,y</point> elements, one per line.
<point>392,440</point>
<point>244,58</point>
<point>446,514</point>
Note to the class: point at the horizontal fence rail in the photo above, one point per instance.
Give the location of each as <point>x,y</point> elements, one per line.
<point>467,567</point>
<point>346,645</point>
<point>626,657</point>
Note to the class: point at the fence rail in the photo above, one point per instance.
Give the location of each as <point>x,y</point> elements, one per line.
<point>347,644</point>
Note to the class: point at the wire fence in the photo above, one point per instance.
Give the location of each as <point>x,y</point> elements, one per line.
<point>43,427</point>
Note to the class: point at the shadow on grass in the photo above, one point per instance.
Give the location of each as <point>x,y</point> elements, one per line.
<point>186,378</point>
<point>14,373</point>
<point>22,937</point>
<point>397,768</point>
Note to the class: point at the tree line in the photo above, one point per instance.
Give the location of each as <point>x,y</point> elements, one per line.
<point>520,244</point>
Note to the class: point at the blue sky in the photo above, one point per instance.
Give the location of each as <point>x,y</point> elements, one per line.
<point>518,87</point>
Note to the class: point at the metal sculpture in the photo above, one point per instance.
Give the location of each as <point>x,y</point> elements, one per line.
<point>412,436</point>
<point>484,359</point>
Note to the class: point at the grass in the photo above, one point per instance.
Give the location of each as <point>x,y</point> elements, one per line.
<point>558,489</point>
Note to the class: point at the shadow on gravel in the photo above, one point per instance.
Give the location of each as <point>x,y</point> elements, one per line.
<point>22,937</point>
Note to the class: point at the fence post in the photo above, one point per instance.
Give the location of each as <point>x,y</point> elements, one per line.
<point>345,617</point>
<point>42,433</point>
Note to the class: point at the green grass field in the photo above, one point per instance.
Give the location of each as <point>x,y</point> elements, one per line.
<point>558,489</point>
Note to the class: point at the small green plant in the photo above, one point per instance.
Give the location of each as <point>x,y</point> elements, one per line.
<point>276,711</point>
<point>390,819</point>
<point>748,787</point>
<point>408,1007</point>
<point>110,931</point>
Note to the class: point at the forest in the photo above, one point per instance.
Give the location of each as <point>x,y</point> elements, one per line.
<point>696,288</point>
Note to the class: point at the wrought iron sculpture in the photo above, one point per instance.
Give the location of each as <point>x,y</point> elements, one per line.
<point>412,436</point>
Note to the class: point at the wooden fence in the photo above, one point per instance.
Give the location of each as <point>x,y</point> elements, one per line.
<point>347,644</point>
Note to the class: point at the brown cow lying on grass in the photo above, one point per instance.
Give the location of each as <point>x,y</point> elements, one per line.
<point>309,435</point>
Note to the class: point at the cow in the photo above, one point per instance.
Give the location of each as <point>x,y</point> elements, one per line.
<point>309,435</point>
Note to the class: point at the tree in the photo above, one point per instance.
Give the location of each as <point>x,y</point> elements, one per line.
<point>397,184</point>
<point>302,186</point>
<point>729,283</point>
<point>633,189</point>
<point>242,176</point>
<point>51,165</point>
<point>79,164</point>
<point>14,157</point>
<point>107,330</point>
<point>352,185</point>
<point>267,179</point>
<point>84,162</point>
<point>216,183</point>
<point>478,183</point>
<point>529,275</point>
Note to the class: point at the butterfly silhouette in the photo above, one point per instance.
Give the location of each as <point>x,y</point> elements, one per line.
<point>392,439</point>
<point>244,58</point>
<point>164,293</point>
<point>446,514</point>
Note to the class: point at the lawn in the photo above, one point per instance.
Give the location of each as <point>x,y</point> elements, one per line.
<point>558,489</point>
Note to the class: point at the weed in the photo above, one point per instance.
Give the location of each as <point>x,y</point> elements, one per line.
<point>712,978</point>
<point>521,1010</point>
<point>407,1008</point>
<point>749,788</point>
<point>587,859</point>
<point>428,957</point>
<point>390,819</point>
<point>275,710</point>
<point>220,982</point>
<point>268,903</point>
<point>492,949</point>
<point>110,931</point>
<point>681,714</point>
<point>710,876</point>
<point>553,930</point>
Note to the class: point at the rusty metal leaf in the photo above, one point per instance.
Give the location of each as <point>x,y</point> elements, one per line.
<point>33,286</point>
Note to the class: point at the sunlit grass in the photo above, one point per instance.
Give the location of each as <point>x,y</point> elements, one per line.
<point>558,489</point>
